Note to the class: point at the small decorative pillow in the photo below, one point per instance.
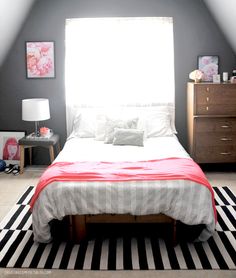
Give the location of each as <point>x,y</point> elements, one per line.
<point>132,137</point>
<point>111,124</point>
<point>101,123</point>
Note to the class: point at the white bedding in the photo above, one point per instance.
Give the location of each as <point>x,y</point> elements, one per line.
<point>183,200</point>
<point>88,149</point>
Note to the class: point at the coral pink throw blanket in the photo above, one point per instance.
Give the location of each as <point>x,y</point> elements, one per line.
<point>162,169</point>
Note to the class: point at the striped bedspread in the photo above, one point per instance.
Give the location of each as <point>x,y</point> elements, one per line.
<point>184,200</point>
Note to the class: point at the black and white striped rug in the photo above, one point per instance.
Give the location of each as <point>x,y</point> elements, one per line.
<point>17,248</point>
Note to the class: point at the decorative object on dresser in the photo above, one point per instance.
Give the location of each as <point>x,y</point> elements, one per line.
<point>196,75</point>
<point>233,79</point>
<point>216,78</point>
<point>225,76</point>
<point>209,66</point>
<point>212,122</point>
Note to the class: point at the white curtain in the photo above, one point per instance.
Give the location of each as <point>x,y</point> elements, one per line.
<point>119,61</point>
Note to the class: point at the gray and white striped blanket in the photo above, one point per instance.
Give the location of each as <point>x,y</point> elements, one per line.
<point>183,200</point>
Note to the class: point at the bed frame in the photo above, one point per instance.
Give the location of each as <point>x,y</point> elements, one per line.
<point>78,223</point>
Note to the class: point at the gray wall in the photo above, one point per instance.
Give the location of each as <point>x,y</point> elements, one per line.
<point>195,33</point>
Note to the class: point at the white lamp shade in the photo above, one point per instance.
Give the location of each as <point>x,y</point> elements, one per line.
<point>35,109</point>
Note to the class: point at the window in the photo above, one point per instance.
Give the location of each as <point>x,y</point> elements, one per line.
<point>116,61</point>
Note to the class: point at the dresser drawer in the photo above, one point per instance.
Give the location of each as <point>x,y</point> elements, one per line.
<point>226,89</point>
<point>215,99</point>
<point>216,109</point>
<point>215,139</point>
<point>222,125</point>
<point>215,154</point>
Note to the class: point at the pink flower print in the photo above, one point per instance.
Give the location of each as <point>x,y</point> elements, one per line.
<point>45,49</point>
<point>44,66</point>
<point>209,70</point>
<point>206,60</point>
<point>39,59</point>
<point>31,62</point>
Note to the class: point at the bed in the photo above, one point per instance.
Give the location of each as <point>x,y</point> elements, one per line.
<point>113,194</point>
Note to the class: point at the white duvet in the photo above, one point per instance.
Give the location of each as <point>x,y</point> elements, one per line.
<point>88,149</point>
<point>182,200</point>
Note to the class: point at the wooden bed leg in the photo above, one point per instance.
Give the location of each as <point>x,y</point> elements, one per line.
<point>174,239</point>
<point>79,227</point>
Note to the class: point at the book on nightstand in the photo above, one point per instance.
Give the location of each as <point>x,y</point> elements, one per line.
<point>41,137</point>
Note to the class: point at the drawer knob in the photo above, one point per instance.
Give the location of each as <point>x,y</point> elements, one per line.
<point>225,126</point>
<point>207,89</point>
<point>207,108</point>
<point>225,153</point>
<point>226,139</point>
<point>207,99</point>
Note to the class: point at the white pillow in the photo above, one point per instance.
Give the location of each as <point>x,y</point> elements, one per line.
<point>100,127</point>
<point>84,125</point>
<point>91,122</point>
<point>111,124</point>
<point>145,113</point>
<point>157,124</point>
<point>132,137</point>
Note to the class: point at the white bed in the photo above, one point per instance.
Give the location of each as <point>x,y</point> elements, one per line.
<point>182,200</point>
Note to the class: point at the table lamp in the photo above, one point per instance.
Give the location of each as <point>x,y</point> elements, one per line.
<point>35,110</point>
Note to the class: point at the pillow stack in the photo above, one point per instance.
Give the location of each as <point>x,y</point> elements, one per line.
<point>114,129</point>
<point>112,124</point>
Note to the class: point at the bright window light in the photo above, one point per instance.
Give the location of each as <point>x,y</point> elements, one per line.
<point>117,61</point>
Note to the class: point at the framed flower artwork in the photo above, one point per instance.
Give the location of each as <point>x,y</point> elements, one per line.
<point>209,66</point>
<point>40,60</point>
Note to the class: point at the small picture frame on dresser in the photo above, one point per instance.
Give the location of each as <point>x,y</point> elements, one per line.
<point>216,78</point>
<point>209,66</point>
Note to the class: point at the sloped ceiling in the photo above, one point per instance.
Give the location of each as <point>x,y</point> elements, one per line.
<point>14,12</point>
<point>12,16</point>
<point>224,12</point>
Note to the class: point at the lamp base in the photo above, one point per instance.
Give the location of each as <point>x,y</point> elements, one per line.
<point>32,135</point>
<point>36,130</point>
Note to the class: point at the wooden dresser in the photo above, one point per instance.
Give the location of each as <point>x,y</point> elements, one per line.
<point>212,122</point>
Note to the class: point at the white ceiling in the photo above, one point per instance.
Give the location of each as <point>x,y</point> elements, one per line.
<point>12,16</point>
<point>224,12</point>
<point>14,12</point>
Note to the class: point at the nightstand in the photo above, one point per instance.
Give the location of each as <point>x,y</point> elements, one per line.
<point>37,142</point>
